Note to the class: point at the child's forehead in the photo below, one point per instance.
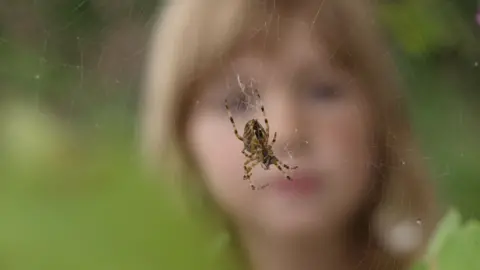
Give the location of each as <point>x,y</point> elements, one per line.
<point>297,48</point>
<point>287,40</point>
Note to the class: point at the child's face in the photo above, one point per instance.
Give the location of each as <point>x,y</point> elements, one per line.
<point>322,127</point>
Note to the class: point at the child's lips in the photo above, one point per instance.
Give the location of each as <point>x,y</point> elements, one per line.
<point>302,183</point>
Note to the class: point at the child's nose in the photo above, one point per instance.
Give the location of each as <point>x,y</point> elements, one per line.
<point>284,120</point>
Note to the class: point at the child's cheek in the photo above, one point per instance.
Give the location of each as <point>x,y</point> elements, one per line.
<point>218,152</point>
<point>341,147</point>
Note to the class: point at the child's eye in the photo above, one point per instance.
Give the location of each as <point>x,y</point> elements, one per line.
<point>324,92</point>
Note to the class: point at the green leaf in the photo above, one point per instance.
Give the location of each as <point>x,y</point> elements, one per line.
<point>461,249</point>
<point>449,224</point>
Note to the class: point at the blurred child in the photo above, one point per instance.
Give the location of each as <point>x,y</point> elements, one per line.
<point>360,197</point>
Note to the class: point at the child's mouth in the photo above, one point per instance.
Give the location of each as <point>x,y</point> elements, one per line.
<point>302,183</point>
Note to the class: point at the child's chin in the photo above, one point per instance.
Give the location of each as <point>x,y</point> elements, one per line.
<point>298,231</point>
<point>296,224</point>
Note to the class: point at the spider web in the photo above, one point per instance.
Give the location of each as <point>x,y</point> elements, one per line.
<point>81,60</point>
<point>252,103</point>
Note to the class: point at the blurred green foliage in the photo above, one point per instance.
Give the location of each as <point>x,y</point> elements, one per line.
<point>454,246</point>
<point>425,27</point>
<point>70,202</point>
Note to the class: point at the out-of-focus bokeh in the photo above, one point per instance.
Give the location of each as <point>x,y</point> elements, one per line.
<point>70,73</point>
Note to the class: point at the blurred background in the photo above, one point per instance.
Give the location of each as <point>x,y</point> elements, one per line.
<point>70,74</point>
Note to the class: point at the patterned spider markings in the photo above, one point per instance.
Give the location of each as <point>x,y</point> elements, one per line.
<point>257,148</point>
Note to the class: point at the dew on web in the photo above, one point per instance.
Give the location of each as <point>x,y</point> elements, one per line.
<point>419,221</point>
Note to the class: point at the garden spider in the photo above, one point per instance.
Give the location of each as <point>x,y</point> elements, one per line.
<point>256,148</point>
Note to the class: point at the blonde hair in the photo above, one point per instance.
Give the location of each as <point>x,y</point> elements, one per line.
<point>192,35</point>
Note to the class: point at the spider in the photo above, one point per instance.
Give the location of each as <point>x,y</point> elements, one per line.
<point>257,148</point>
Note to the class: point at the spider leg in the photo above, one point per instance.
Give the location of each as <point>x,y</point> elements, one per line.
<point>274,139</point>
<point>248,173</point>
<point>232,121</point>
<point>247,168</point>
<point>267,126</point>
<point>248,155</point>
<point>279,165</point>
<point>286,166</point>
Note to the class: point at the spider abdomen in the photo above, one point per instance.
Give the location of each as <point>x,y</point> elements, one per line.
<point>254,136</point>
